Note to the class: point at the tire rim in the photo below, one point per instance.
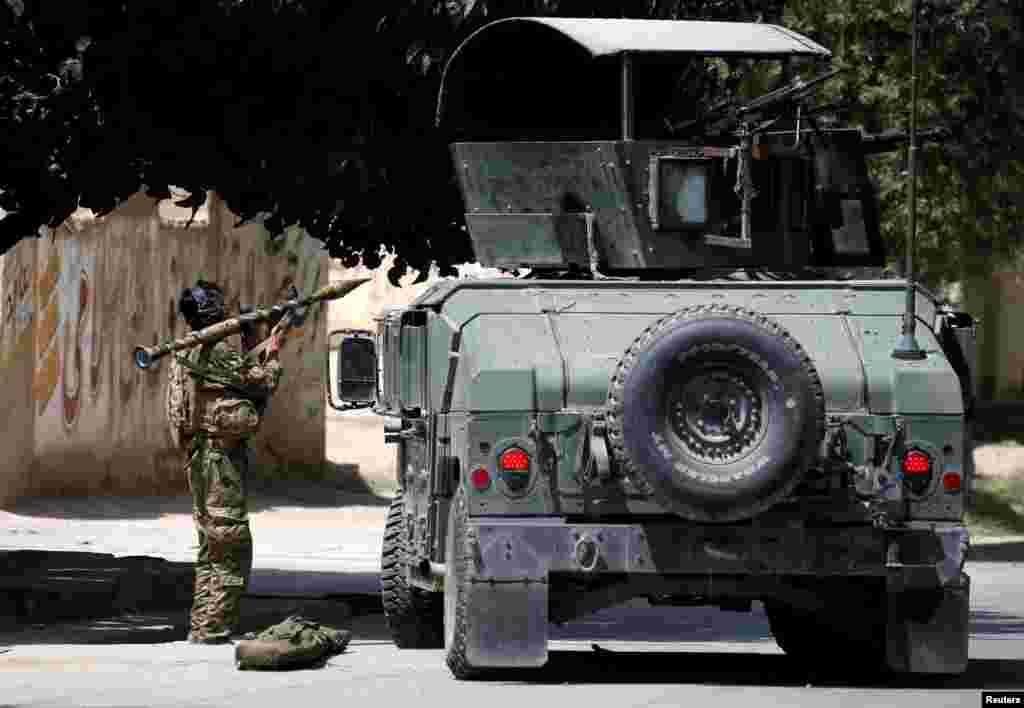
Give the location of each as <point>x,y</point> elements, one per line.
<point>714,413</point>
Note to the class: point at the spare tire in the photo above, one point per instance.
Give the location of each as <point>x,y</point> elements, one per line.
<point>717,411</point>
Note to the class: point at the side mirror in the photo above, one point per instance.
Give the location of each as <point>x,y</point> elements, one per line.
<point>352,376</point>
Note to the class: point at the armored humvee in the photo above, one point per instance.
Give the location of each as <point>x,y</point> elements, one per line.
<point>686,398</point>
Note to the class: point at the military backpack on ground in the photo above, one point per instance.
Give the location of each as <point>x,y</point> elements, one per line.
<point>295,643</point>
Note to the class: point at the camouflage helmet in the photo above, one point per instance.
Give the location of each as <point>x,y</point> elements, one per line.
<point>202,305</point>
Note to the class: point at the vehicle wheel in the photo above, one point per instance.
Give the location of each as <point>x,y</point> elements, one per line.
<point>716,410</point>
<point>414,616</point>
<point>456,590</point>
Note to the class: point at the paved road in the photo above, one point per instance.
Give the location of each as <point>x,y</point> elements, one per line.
<point>727,659</point>
<point>724,658</point>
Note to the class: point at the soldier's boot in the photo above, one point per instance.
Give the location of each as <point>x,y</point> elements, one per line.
<point>233,610</point>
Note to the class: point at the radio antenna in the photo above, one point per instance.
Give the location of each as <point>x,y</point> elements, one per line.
<point>906,346</point>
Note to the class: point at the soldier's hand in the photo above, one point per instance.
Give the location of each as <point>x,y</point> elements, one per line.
<point>274,348</point>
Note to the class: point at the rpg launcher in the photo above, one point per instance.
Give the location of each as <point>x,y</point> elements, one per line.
<point>286,313</point>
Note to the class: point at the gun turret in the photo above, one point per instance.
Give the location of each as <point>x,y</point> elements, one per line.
<point>729,114</point>
<point>605,190</point>
<point>145,356</point>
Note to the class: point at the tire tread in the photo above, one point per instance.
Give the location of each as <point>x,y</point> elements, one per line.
<point>414,617</point>
<point>456,655</point>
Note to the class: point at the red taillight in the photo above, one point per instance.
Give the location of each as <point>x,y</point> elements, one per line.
<point>917,471</point>
<point>515,460</point>
<point>951,482</point>
<point>917,462</point>
<point>480,478</point>
<point>514,464</point>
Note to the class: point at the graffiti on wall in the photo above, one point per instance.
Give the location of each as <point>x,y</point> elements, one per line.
<point>47,347</point>
<point>17,304</point>
<point>65,293</point>
<point>95,344</point>
<point>18,309</point>
<point>74,336</point>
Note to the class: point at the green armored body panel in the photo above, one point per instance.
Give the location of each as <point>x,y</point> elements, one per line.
<point>682,399</point>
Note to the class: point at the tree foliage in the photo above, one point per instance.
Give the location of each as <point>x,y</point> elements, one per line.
<point>308,112</point>
<point>969,62</point>
<point>320,114</point>
<point>298,113</point>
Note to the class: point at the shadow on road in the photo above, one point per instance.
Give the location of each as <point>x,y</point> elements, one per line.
<point>142,628</point>
<point>667,624</point>
<point>362,614</point>
<point>95,598</point>
<point>744,669</point>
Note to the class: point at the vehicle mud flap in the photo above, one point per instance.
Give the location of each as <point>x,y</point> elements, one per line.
<point>495,594</point>
<point>509,627</point>
<point>929,637</point>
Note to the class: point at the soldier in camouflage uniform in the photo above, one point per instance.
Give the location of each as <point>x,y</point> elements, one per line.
<point>215,400</point>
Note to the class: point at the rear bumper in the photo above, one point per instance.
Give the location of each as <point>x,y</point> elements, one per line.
<point>509,593</point>
<point>509,590</point>
<point>529,549</point>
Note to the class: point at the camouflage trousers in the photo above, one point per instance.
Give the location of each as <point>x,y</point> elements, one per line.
<point>224,559</point>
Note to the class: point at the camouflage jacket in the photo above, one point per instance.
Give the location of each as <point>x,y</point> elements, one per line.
<point>219,391</point>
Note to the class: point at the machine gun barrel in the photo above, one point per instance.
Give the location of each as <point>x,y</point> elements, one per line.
<point>795,90</point>
<point>730,113</point>
<point>897,138</point>
<point>145,356</point>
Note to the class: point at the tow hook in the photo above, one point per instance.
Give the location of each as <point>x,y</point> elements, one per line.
<point>588,553</point>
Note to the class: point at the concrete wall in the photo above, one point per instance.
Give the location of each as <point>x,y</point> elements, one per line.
<point>77,416</point>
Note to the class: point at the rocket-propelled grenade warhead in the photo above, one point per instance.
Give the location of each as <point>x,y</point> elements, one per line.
<point>145,356</point>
